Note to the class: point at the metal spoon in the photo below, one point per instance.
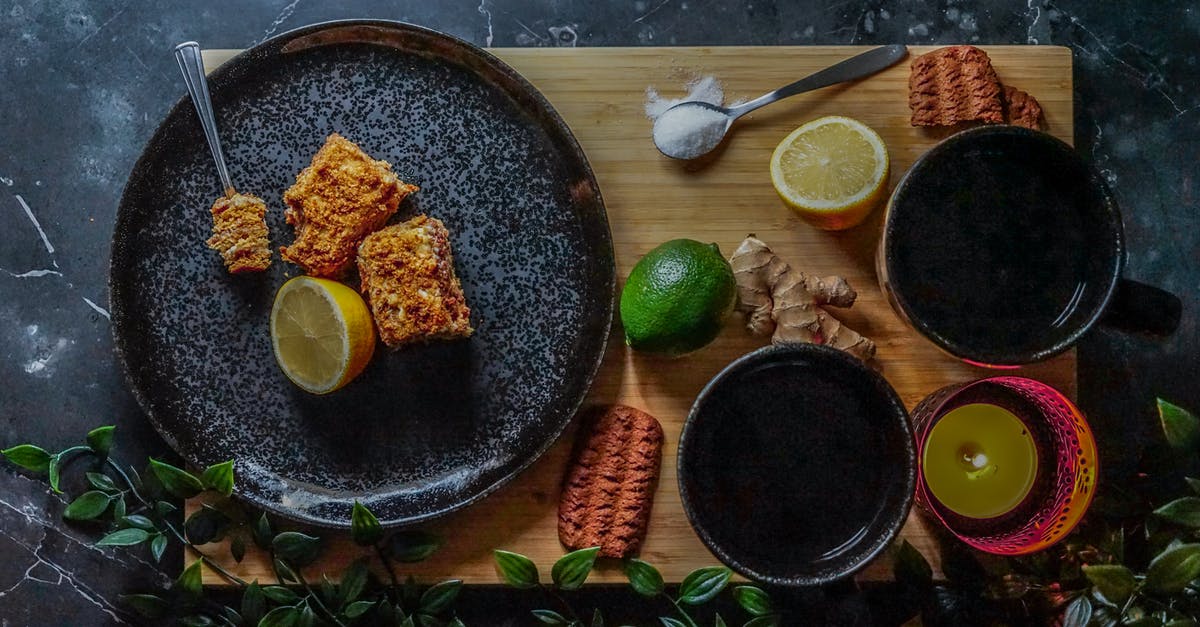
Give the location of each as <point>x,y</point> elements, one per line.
<point>192,66</point>
<point>710,130</point>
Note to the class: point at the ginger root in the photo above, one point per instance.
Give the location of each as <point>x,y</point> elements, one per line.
<point>789,304</point>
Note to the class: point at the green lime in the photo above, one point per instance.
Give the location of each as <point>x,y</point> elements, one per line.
<point>677,298</point>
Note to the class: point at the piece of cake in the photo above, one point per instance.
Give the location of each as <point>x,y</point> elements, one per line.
<point>337,201</point>
<point>1021,109</point>
<point>407,273</point>
<point>240,233</point>
<point>609,486</point>
<point>952,85</point>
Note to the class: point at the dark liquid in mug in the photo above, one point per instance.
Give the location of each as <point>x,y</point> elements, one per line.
<point>999,251</point>
<point>798,475</point>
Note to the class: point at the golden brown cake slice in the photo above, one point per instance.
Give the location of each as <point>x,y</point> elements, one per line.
<point>407,273</point>
<point>240,233</point>
<point>336,201</point>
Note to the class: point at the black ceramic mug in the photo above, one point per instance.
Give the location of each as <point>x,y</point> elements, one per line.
<point>1003,247</point>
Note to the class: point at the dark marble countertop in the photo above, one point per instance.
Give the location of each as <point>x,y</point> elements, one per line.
<point>83,85</point>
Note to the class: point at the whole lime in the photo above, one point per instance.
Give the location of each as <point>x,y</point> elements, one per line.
<point>677,298</point>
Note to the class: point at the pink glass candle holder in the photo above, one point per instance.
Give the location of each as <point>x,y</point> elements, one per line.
<point>1066,470</point>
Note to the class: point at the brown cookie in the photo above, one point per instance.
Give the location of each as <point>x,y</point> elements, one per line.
<point>953,85</point>
<point>609,485</point>
<point>1021,109</point>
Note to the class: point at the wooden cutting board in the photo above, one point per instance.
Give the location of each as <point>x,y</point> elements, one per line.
<point>601,92</point>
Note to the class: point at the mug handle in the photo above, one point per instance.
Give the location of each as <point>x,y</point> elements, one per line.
<point>1142,308</point>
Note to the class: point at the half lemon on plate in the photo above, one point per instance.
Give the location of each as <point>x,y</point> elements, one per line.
<point>832,171</point>
<point>321,332</point>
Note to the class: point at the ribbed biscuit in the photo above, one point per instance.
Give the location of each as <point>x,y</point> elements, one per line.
<point>953,85</point>
<point>1021,109</point>
<point>609,485</point>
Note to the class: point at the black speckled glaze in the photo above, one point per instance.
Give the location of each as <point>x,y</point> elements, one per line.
<point>787,446</point>
<point>424,430</point>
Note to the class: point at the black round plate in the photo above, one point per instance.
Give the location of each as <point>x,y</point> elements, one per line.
<point>424,430</point>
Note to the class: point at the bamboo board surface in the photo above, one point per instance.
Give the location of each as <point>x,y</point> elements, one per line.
<point>600,92</point>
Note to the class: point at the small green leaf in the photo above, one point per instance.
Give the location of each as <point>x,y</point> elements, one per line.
<point>911,568</point>
<point>146,605</point>
<point>254,603</point>
<point>298,548</point>
<point>118,507</point>
<point>754,600</point>
<point>1184,511</point>
<point>703,584</point>
<point>189,580</point>
<point>219,477</point>
<point>408,622</point>
<point>519,571</point>
<point>262,532</point>
<point>100,440</point>
<point>550,617</point>
<point>440,596</point>
<point>88,506</point>
<point>196,620</point>
<point>102,482</point>
<point>55,470</point>
<point>205,525</point>
<point>284,571</point>
<point>280,594</point>
<point>455,622</point>
<point>177,481</point>
<point>1078,612</point>
<point>139,521</point>
<point>718,621</point>
<point>354,580</point>
<point>1114,581</point>
<point>163,508</point>
<point>1174,568</point>
<point>124,537</point>
<point>280,617</point>
<point>28,456</point>
<point>358,608</point>
<point>1180,426</point>
<point>233,616</point>
<point>412,546</point>
<point>1194,484</point>
<point>158,546</point>
<point>364,526</point>
<point>307,617</point>
<point>572,569</point>
<point>237,548</point>
<point>643,578</point>
<point>667,621</point>
<point>597,618</point>
<point>771,620</point>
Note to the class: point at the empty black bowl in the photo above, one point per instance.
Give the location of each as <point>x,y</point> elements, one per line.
<point>797,465</point>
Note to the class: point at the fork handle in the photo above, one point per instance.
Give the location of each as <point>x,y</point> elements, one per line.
<point>192,66</point>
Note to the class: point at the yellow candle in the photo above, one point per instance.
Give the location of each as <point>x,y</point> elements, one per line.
<point>979,460</point>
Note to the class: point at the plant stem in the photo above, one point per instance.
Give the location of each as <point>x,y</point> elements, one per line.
<point>678,608</point>
<point>312,595</point>
<point>387,565</point>
<point>125,478</point>
<point>562,601</point>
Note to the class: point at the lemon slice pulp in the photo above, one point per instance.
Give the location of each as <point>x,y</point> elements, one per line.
<point>321,332</point>
<point>832,171</point>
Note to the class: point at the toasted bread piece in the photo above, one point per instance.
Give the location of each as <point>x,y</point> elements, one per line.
<point>953,85</point>
<point>240,233</point>
<point>609,486</point>
<point>1021,109</point>
<point>337,201</point>
<point>407,273</point>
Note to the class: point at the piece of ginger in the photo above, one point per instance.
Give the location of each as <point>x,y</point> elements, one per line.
<point>789,304</point>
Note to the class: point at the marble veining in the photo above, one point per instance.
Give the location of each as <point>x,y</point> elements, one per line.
<point>86,83</point>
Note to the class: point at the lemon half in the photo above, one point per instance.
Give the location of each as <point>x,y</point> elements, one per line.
<point>832,171</point>
<point>322,333</point>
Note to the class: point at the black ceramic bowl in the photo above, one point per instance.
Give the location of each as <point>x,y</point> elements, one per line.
<point>797,465</point>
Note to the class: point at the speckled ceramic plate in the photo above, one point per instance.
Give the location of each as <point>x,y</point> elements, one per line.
<point>424,430</point>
